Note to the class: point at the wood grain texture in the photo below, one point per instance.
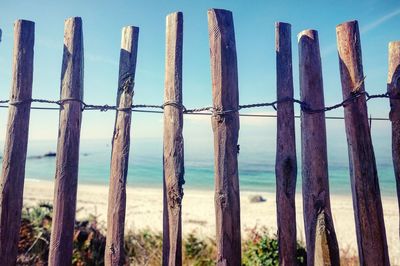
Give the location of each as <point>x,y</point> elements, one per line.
<point>393,88</point>
<point>16,142</point>
<point>114,253</point>
<point>286,162</point>
<point>370,227</point>
<point>225,94</point>
<point>66,177</point>
<point>173,143</point>
<point>322,246</point>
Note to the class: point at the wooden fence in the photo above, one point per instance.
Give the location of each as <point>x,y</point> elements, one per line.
<point>322,245</point>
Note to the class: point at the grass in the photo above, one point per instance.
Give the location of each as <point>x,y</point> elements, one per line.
<point>143,247</point>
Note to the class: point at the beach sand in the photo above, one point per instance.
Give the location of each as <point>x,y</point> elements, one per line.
<point>144,210</point>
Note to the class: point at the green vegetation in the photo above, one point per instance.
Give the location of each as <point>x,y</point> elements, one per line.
<point>261,249</point>
<point>33,246</point>
<point>141,248</point>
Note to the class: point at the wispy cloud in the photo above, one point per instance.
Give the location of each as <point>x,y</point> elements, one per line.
<point>379,21</point>
<point>367,28</point>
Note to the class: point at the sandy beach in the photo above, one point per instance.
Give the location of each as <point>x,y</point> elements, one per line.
<point>144,210</point>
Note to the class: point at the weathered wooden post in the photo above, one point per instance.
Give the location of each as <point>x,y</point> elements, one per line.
<point>370,227</point>
<point>225,124</point>
<point>286,163</point>
<point>114,253</point>
<point>173,143</point>
<point>66,177</point>
<point>16,142</point>
<point>393,88</point>
<point>322,246</point>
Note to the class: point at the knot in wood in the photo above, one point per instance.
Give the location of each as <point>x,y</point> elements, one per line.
<point>175,196</point>
<point>127,84</point>
<point>221,199</point>
<point>319,201</point>
<point>321,221</point>
<point>219,118</point>
<point>112,250</point>
<point>218,114</point>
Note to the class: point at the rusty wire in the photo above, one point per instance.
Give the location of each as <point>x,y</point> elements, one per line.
<point>209,110</point>
<point>128,84</point>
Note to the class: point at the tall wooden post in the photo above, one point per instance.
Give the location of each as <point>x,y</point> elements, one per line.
<point>370,227</point>
<point>114,253</point>
<point>393,88</point>
<point>225,94</point>
<point>286,162</point>
<point>322,246</point>
<point>173,143</point>
<point>66,178</point>
<point>16,142</point>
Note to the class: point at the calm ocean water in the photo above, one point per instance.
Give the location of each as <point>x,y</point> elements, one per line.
<point>256,160</point>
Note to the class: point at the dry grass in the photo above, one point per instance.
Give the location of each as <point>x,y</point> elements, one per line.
<point>144,247</point>
<point>348,257</point>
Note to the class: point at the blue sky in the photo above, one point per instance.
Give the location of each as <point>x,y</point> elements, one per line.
<point>254,26</point>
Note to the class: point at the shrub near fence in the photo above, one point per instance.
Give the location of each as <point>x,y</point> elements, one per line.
<point>322,246</point>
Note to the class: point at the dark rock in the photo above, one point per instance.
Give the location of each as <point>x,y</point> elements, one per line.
<point>256,198</point>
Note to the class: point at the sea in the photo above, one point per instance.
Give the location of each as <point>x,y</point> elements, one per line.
<point>256,159</point>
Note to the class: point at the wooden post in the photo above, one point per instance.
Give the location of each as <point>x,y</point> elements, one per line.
<point>114,253</point>
<point>173,143</point>
<point>16,142</point>
<point>225,94</point>
<point>66,177</point>
<point>286,162</point>
<point>393,88</point>
<point>370,227</point>
<point>322,246</point>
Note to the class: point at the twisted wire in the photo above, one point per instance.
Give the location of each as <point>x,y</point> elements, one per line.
<point>215,111</point>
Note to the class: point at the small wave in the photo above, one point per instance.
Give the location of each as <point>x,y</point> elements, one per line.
<point>33,179</point>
